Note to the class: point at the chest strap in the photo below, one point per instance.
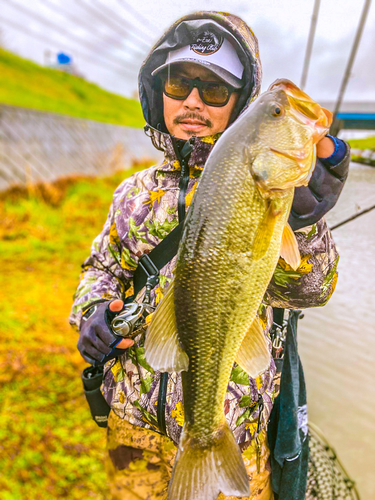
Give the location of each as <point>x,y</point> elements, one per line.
<point>159,257</point>
<point>147,270</point>
<point>183,158</point>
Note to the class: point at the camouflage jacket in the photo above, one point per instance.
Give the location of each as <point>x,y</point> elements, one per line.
<point>143,212</point>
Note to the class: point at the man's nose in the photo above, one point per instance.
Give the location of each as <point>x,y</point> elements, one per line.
<point>193,100</point>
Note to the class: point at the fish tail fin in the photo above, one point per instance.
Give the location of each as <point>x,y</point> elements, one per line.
<point>201,472</point>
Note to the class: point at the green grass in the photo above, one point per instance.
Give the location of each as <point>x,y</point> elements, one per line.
<point>367,143</point>
<point>26,84</point>
<point>49,445</point>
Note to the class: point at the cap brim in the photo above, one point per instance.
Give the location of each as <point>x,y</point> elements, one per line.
<point>222,73</point>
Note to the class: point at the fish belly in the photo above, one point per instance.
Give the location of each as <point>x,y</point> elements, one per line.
<point>219,287</point>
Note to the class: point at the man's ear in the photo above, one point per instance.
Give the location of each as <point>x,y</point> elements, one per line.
<point>156,84</point>
<point>161,126</point>
<point>156,106</point>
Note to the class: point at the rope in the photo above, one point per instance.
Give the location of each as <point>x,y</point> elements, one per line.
<point>365,211</point>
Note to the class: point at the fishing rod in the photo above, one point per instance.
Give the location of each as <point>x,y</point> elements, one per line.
<point>365,211</point>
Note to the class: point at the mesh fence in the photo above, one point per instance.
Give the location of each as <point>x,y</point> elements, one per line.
<point>40,146</point>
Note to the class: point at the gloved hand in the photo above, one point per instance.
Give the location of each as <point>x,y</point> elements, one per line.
<point>96,341</point>
<point>312,202</point>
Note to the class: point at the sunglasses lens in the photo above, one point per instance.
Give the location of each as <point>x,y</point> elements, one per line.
<point>215,93</point>
<point>176,87</point>
<point>212,93</point>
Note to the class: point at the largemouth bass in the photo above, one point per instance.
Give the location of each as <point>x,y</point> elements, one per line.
<point>234,233</point>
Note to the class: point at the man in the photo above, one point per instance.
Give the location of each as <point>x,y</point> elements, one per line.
<point>197,79</point>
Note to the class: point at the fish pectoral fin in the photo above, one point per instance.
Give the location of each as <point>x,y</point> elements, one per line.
<point>265,231</point>
<point>289,250</point>
<point>202,472</point>
<point>253,355</point>
<point>162,348</point>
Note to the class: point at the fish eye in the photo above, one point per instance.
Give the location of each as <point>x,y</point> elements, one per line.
<point>277,110</point>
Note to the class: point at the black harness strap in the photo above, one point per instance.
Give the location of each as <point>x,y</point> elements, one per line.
<point>183,157</point>
<point>278,316</point>
<point>158,258</point>
<point>162,397</point>
<point>154,261</point>
<point>161,255</point>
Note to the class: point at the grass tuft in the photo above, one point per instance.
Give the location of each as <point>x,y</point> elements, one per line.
<point>366,143</point>
<point>27,84</point>
<point>50,447</point>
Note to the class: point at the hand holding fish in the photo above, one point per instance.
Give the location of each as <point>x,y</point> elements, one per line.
<point>325,147</point>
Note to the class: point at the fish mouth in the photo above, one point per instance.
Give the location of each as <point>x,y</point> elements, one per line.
<point>311,114</point>
<point>298,155</point>
<point>304,109</point>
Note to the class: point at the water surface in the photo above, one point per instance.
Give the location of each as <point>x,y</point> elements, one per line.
<point>337,341</point>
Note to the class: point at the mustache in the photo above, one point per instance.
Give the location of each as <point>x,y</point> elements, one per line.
<point>192,116</point>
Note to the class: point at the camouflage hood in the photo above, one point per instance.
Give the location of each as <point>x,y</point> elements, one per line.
<point>181,33</point>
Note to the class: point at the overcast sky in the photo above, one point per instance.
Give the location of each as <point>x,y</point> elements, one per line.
<point>108,39</point>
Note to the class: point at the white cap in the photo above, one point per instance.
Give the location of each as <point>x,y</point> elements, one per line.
<point>212,51</point>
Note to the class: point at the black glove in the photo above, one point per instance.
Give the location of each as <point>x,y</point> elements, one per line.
<point>312,202</point>
<point>96,342</point>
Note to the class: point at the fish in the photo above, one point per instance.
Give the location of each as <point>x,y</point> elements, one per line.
<point>234,233</point>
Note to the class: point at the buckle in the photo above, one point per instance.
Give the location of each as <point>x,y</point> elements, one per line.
<point>152,273</point>
<point>278,333</point>
<point>89,312</point>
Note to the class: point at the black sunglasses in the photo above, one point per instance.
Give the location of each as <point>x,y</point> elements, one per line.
<point>211,93</point>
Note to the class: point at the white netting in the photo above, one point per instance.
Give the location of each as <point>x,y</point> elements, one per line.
<point>327,479</point>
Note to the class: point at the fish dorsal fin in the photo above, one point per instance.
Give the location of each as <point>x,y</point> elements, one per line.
<point>254,355</point>
<point>265,231</point>
<point>289,250</point>
<point>162,348</point>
